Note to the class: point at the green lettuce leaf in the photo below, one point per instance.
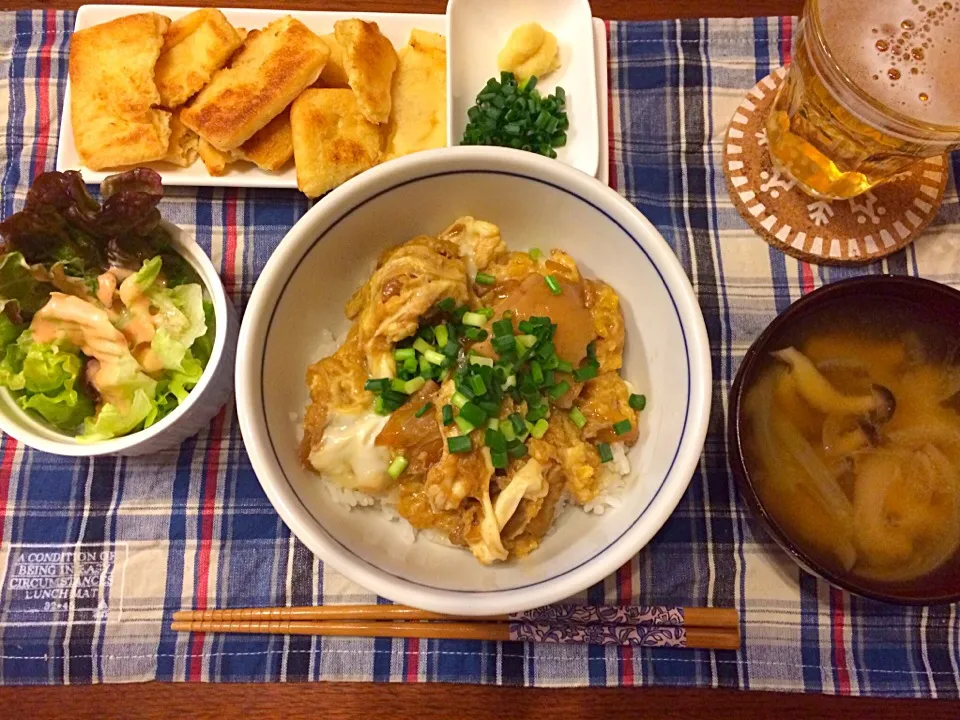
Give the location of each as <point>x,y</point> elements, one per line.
<point>173,389</point>
<point>113,422</point>
<point>203,347</point>
<point>45,379</point>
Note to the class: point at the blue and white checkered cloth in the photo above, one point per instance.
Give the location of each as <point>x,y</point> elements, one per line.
<point>95,555</point>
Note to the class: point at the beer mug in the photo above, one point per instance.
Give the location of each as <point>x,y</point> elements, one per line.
<point>874,86</point>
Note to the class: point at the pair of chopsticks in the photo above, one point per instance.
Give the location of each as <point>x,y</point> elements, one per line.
<point>627,625</point>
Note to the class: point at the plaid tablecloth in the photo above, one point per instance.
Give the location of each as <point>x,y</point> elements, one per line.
<point>96,555</point>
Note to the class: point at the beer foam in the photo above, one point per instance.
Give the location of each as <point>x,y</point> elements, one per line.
<point>903,53</point>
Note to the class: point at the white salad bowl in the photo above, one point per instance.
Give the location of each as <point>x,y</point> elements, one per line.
<point>202,403</point>
<point>536,202</point>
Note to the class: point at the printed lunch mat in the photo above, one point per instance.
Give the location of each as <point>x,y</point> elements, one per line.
<point>142,538</point>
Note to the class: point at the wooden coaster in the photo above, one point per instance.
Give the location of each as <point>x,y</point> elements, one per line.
<point>833,232</point>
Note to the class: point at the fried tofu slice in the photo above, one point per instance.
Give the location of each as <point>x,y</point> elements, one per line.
<point>419,117</point>
<point>272,69</point>
<point>334,74</point>
<point>216,161</point>
<point>271,147</point>
<point>195,47</point>
<point>182,149</point>
<point>370,61</point>
<point>113,94</point>
<point>332,140</point>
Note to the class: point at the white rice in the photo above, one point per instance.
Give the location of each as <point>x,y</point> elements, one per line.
<point>613,481</point>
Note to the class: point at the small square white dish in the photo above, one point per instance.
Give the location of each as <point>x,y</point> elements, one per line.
<point>477,30</point>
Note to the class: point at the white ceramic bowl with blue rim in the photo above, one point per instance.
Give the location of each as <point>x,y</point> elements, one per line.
<point>195,413</point>
<point>536,203</point>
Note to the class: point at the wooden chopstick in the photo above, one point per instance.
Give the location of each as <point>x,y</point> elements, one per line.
<point>701,617</point>
<point>648,636</point>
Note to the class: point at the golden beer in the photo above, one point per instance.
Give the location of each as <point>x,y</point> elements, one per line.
<point>874,86</point>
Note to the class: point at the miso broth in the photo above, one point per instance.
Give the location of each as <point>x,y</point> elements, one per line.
<point>852,440</point>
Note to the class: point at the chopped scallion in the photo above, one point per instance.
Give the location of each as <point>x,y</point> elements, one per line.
<point>397,467</point>
<point>638,402</point>
<point>540,428</point>
<point>587,372</point>
<point>424,410</point>
<point>474,319</point>
<point>536,253</point>
<point>447,414</point>
<point>622,427</point>
<point>442,335</point>
<point>499,459</point>
<point>422,346</point>
<point>481,360</point>
<point>477,384</point>
<point>578,418</point>
<point>473,414</point>
<point>412,386</point>
<point>377,385</point>
<point>447,304</point>
<point>553,284</point>
<point>484,279</point>
<point>458,445</point>
<point>434,358</point>
<point>606,454</point>
<point>459,399</point>
<point>493,423</point>
<point>404,353</point>
<point>559,390</point>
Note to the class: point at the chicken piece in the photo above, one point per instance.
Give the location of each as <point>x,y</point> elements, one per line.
<point>604,306</point>
<point>489,547</point>
<point>604,401</point>
<point>416,509</point>
<point>336,384</point>
<point>480,243</point>
<point>370,61</point>
<point>410,280</point>
<point>534,518</point>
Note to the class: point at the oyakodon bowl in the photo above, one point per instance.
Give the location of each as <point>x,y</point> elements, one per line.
<point>188,418</point>
<point>536,202</point>
<point>929,299</point>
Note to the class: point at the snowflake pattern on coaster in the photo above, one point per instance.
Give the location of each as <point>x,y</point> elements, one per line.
<point>838,232</point>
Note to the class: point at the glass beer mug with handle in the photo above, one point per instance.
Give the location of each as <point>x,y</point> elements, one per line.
<point>874,86</point>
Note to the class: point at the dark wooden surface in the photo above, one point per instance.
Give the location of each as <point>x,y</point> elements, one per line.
<point>339,701</point>
<point>333,701</point>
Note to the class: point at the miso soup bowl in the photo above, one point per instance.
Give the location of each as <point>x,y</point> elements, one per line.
<point>938,302</point>
<point>536,202</point>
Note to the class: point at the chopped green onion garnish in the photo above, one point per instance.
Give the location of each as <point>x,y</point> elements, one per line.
<point>461,444</point>
<point>518,424</point>
<point>410,364</point>
<point>459,399</point>
<point>506,429</point>
<point>477,384</point>
<point>525,326</point>
<point>606,454</point>
<point>484,279</point>
<point>466,427</point>
<point>638,402</point>
<point>498,458</point>
<point>502,327</point>
<point>553,284</point>
<point>433,357</point>
<point>425,366</point>
<point>412,386</point>
<point>536,372</point>
<point>442,335</point>
<point>377,385</point>
<point>540,428</point>
<point>578,418</point>
<point>487,312</point>
<point>422,346</point>
<point>587,372</point>
<point>559,390</point>
<point>564,366</point>
<point>424,410</point>
<point>475,334</point>
<point>404,353</point>
<point>495,440</point>
<point>397,467</point>
<point>474,319</point>
<point>621,427</point>
<point>510,382</point>
<point>504,344</point>
<point>481,360</point>
<point>517,451</point>
<point>527,341</point>
<point>493,424</point>
<point>447,414</point>
<point>473,414</point>
<point>447,304</point>
<point>399,385</point>
<point>379,407</point>
<point>536,253</point>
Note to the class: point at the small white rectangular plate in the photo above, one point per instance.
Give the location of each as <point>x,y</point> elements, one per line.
<point>477,30</point>
<point>396,26</point>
